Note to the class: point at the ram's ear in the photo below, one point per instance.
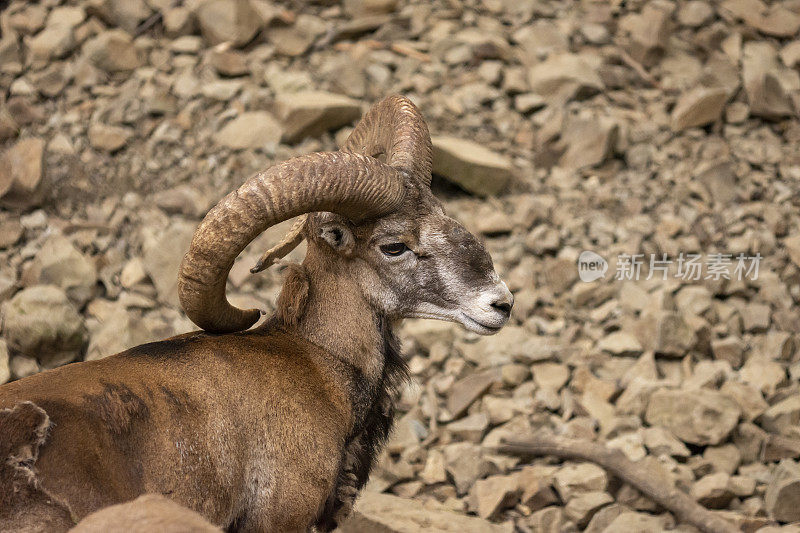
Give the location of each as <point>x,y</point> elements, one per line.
<point>337,234</point>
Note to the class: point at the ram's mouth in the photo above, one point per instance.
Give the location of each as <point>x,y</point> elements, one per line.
<point>479,327</point>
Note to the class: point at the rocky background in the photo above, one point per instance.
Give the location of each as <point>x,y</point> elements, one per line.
<point>611,126</point>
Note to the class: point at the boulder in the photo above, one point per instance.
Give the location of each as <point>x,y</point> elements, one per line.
<point>471,166</point>
<point>5,370</point>
<point>40,322</point>
<point>782,498</point>
<point>253,129</point>
<point>232,21</point>
<point>59,263</point>
<point>163,250</point>
<point>311,113</point>
<point>765,82</point>
<point>698,107</point>
<point>107,138</point>
<point>384,513</point>
<point>112,51</point>
<point>700,417</point>
<point>21,172</point>
<point>565,74</point>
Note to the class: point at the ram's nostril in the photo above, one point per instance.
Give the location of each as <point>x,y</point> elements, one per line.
<point>503,307</point>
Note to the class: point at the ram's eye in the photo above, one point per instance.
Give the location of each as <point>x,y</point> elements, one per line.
<point>394,249</point>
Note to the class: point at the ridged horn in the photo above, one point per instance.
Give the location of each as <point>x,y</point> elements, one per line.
<point>395,127</point>
<point>352,185</point>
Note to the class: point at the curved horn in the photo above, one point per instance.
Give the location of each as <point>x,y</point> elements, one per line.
<point>351,185</point>
<point>395,127</point>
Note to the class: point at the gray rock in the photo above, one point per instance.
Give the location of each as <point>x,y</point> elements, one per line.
<point>253,129</point>
<point>764,82</point>
<point>112,51</point>
<point>588,141</point>
<point>59,263</point>
<point>384,513</point>
<point>698,417</point>
<point>296,39</point>
<point>311,113</point>
<point>471,165</point>
<point>232,21</point>
<point>21,172</point>
<point>40,322</point>
<point>54,42</point>
<point>5,370</point>
<point>782,498</point>
<point>565,74</point>
<point>491,495</point>
<point>107,138</point>
<point>127,14</point>
<point>163,251</point>
<point>698,107</point>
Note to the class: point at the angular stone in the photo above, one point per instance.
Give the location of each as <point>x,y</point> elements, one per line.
<point>163,253</point>
<point>491,495</point>
<point>729,349</point>
<point>782,498</point>
<point>469,389</point>
<point>362,8</point>
<point>749,398</point>
<point>551,376</point>
<point>117,331</point>
<point>466,463</point>
<point>228,62</point>
<point>22,366</point>
<point>434,471</point>
<point>713,491</point>
<point>54,42</point>
<point>698,107</point>
<point>673,336</point>
<point>295,40</point>
<point>471,166</point>
<point>638,522</point>
<point>470,428</point>
<point>764,82</point>
<point>773,20</point>
<point>588,141</point>
<point>565,74</point>
<point>311,113</point>
<point>620,343</point>
<point>661,442</point>
<point>232,21</point>
<point>582,508</point>
<point>573,479</point>
<point>59,263</point>
<point>108,138</point>
<point>112,51</point>
<point>695,13</point>
<point>763,374</point>
<point>21,172</point>
<point>782,417</point>
<point>10,233</point>
<point>40,322</point>
<point>5,370</point>
<point>385,513</point>
<point>252,129</point>
<point>698,417</point>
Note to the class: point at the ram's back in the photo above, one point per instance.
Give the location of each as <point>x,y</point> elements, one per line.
<point>173,417</point>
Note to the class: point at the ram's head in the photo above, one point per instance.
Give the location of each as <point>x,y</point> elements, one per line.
<point>368,213</point>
